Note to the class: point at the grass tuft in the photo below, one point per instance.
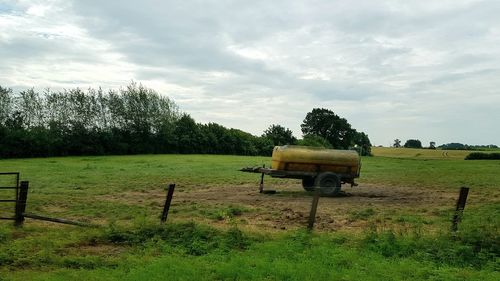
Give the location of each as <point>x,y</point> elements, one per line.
<point>191,238</point>
<point>363,214</point>
<point>476,245</point>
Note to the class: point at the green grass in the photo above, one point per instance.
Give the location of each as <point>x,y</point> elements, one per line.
<point>74,185</point>
<point>210,242</point>
<point>108,174</point>
<point>426,173</point>
<point>193,252</point>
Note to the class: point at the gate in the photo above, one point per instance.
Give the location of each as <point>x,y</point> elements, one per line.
<point>8,182</point>
<point>20,194</point>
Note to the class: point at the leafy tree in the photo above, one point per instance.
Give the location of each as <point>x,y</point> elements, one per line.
<point>362,141</point>
<point>30,106</point>
<point>5,104</point>
<point>244,142</point>
<point>335,130</point>
<point>325,123</point>
<point>279,135</point>
<point>188,135</point>
<point>413,143</point>
<point>314,140</point>
<point>455,146</point>
<point>264,146</point>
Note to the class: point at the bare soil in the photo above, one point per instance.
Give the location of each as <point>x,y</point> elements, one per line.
<point>289,207</point>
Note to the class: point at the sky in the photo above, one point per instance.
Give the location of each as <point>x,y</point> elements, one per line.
<point>427,70</point>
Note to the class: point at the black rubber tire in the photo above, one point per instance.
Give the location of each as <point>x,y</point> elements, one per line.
<point>329,183</point>
<point>308,183</point>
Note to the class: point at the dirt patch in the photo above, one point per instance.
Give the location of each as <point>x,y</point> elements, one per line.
<point>289,207</point>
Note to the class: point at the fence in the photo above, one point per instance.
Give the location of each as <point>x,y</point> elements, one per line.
<point>20,196</point>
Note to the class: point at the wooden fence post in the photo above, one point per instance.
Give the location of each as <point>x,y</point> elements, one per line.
<point>21,203</point>
<point>462,199</point>
<point>261,186</point>
<point>314,206</point>
<point>168,200</point>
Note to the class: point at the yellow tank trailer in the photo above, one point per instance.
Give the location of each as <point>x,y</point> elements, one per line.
<point>320,168</point>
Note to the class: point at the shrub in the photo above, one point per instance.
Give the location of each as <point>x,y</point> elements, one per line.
<point>483,156</point>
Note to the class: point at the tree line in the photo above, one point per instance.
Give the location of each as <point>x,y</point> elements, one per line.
<point>415,143</point>
<point>131,120</point>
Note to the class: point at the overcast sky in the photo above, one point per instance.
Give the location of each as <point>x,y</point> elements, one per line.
<point>394,69</point>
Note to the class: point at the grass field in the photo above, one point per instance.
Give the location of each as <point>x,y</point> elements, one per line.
<point>393,226</point>
<point>419,153</point>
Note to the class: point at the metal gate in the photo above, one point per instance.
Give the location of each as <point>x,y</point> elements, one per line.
<point>20,194</point>
<point>9,181</point>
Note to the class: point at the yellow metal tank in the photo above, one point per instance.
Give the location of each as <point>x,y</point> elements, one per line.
<point>313,159</point>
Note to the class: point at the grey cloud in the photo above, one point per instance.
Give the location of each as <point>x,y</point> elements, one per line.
<point>391,67</point>
<point>453,77</point>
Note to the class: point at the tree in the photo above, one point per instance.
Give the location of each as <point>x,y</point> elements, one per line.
<point>5,104</point>
<point>413,144</point>
<point>314,140</point>
<point>132,120</point>
<point>362,141</point>
<point>454,145</point>
<point>188,134</point>
<point>30,105</point>
<point>397,143</point>
<point>325,123</point>
<point>432,145</point>
<point>279,135</point>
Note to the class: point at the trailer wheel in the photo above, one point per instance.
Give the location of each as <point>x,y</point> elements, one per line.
<point>308,183</point>
<point>329,183</point>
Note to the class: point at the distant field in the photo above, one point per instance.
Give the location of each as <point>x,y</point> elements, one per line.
<point>393,226</point>
<point>423,153</point>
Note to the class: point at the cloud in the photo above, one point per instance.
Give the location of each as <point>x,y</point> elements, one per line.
<point>412,69</point>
